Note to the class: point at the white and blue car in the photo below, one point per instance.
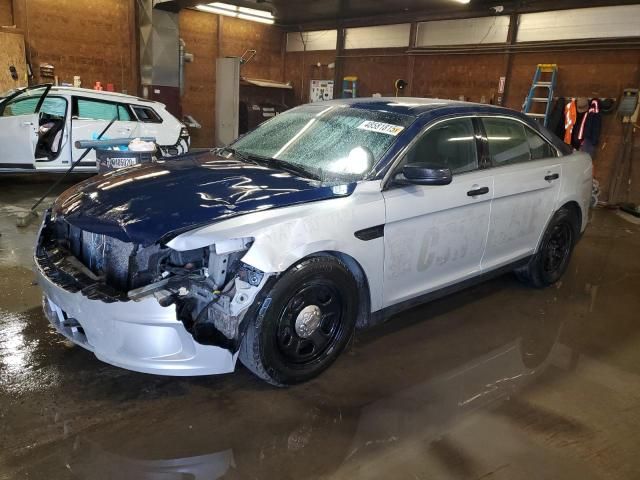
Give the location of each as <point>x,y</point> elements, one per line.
<point>327,218</point>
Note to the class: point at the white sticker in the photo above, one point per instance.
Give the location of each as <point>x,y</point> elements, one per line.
<point>380,127</point>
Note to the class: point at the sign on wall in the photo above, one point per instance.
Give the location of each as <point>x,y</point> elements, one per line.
<point>321,90</point>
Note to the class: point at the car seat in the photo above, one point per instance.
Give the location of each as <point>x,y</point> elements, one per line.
<point>49,139</point>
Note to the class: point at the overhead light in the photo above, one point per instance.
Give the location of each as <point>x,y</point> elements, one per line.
<point>243,13</point>
<point>253,11</point>
<point>462,1</point>
<point>253,18</point>
<point>219,11</point>
<point>224,6</point>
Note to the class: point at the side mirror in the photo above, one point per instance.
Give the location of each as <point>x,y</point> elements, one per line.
<point>425,174</point>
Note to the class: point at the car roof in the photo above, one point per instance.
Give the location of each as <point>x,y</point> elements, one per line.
<point>100,94</point>
<point>414,106</point>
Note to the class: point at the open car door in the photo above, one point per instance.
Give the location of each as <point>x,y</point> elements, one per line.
<point>19,123</point>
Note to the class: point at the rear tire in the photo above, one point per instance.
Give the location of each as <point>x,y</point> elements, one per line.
<point>304,323</point>
<point>552,258</point>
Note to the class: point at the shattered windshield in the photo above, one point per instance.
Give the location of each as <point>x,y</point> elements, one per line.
<point>331,143</point>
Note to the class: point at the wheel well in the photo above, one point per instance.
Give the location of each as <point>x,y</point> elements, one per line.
<point>576,211</point>
<point>364,309</point>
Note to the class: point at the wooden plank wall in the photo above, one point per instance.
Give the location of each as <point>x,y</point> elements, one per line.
<point>200,31</point>
<point>6,13</point>
<point>12,48</point>
<point>89,38</point>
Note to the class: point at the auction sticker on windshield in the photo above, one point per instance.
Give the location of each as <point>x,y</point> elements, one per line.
<point>380,127</point>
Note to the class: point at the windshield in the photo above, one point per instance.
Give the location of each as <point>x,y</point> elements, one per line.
<point>332,143</point>
<point>24,103</point>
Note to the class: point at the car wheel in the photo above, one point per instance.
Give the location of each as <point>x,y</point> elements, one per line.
<point>304,322</point>
<point>550,262</point>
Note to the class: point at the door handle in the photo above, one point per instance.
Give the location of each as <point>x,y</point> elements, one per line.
<point>27,124</point>
<point>553,176</point>
<point>478,191</point>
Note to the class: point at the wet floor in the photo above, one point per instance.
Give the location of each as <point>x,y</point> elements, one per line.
<point>496,382</point>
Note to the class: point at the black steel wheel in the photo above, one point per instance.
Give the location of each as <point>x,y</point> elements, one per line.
<point>304,323</point>
<point>553,256</point>
<point>557,249</point>
<point>310,323</point>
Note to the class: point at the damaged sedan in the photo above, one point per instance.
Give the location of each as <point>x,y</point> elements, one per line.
<point>327,218</point>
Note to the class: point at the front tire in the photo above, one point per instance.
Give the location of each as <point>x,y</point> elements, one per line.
<point>552,259</point>
<point>304,323</point>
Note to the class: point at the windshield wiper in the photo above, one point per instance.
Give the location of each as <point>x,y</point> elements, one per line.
<point>233,152</point>
<point>294,168</point>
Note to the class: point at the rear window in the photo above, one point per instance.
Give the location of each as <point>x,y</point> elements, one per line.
<point>540,148</point>
<point>508,143</point>
<point>147,114</point>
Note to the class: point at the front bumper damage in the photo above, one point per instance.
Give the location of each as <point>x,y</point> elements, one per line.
<point>146,332</point>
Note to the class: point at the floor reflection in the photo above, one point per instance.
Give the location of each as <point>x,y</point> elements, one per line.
<point>422,413</point>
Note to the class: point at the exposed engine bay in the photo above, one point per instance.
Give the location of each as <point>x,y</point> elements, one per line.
<point>211,287</point>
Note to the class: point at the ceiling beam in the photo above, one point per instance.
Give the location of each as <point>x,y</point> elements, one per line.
<point>456,11</point>
<point>510,7</point>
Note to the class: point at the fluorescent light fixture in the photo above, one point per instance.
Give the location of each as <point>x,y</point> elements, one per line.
<point>253,18</point>
<point>219,11</point>
<point>462,1</point>
<point>243,13</point>
<point>224,6</point>
<point>253,11</point>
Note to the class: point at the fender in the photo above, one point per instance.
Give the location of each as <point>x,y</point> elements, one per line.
<point>284,236</point>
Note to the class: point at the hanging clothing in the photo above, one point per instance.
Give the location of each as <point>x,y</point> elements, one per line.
<point>569,120</point>
<point>576,141</point>
<point>591,124</point>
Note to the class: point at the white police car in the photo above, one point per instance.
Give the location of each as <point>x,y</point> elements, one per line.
<point>326,218</point>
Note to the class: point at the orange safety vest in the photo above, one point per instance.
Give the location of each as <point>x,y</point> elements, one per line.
<point>570,115</point>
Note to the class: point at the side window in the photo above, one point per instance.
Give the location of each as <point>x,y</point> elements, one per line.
<point>540,148</point>
<point>54,107</point>
<point>25,106</point>
<point>450,144</point>
<point>508,143</point>
<point>95,109</point>
<point>123,114</point>
<point>24,103</point>
<point>146,114</point>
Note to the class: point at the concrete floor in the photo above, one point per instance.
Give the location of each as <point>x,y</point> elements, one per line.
<point>497,382</point>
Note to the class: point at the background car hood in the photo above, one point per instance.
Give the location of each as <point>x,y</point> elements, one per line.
<point>146,203</point>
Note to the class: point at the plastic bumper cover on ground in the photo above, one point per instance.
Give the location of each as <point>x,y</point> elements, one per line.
<point>141,336</point>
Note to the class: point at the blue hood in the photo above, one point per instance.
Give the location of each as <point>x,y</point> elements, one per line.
<point>148,203</point>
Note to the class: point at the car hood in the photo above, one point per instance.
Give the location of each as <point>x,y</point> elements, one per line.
<point>147,203</point>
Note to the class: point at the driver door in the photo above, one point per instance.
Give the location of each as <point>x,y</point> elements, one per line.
<point>19,122</point>
<point>435,236</point>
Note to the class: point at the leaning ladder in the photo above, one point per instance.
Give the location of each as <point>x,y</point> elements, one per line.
<point>537,88</point>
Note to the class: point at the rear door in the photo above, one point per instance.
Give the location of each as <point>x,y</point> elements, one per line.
<point>527,174</point>
<point>435,236</point>
<point>91,116</point>
<point>151,124</point>
<point>19,123</point>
